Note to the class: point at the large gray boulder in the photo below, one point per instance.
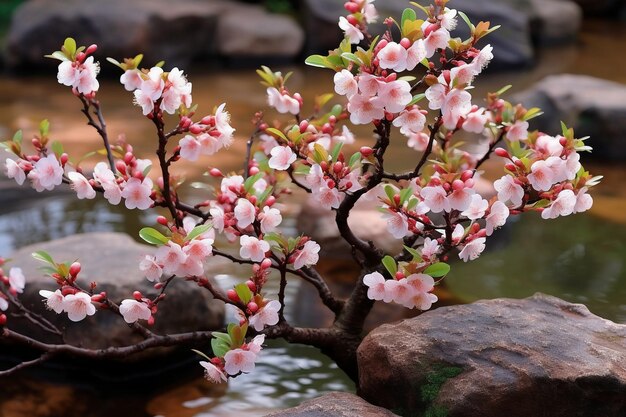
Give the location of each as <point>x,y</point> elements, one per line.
<point>111,260</point>
<point>177,32</point>
<point>540,356</point>
<point>592,106</point>
<point>335,404</point>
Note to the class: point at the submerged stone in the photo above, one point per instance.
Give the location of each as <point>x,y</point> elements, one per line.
<point>335,404</point>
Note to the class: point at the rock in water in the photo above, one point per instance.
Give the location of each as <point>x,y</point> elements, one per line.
<point>335,404</point>
<point>540,356</point>
<point>592,106</point>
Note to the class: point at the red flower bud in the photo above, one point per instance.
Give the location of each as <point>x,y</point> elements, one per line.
<point>502,153</point>
<point>253,307</point>
<point>251,285</point>
<point>366,151</point>
<point>232,295</point>
<point>75,269</point>
<point>137,296</point>
<point>3,319</point>
<point>214,172</point>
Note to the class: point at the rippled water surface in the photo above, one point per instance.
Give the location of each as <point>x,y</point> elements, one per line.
<point>579,258</point>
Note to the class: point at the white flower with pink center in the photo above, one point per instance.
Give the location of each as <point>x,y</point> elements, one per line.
<point>423,300</point>
<point>133,310</point>
<point>106,178</point>
<point>54,300</point>
<point>239,360</point>
<point>583,201</point>
<point>477,208</point>
<point>393,56</point>
<point>256,344</point>
<point>457,104</point>
<point>270,218</point>
<point>517,131</point>
<point>13,170</point>
<point>68,73</point>
<point>328,197</point>
<point>170,256</point>
<point>430,248</point>
<point>17,281</point>
<point>282,102</point>
<point>308,255</point>
<point>415,54</point>
<point>436,39</point>
<point>190,267</point>
<point>509,190</point>
<point>81,185</point>
<point>497,216</point>
<point>217,217</point>
<point>475,121</point>
<point>137,193</point>
<point>418,141</point>
<point>364,109</point>
<point>199,249</point>
<point>435,198</point>
<point>397,224</point>
<point>245,213</point>
<point>352,32</point>
<point>436,96</point>
<point>87,81</point>
<point>212,373</point>
<point>253,248</point>
<point>231,185</point>
<point>222,124</point>
<point>410,121</point>
<point>144,101</point>
<point>78,306</point>
<point>315,178</point>
<point>547,146</point>
<point>541,177</point>
<point>472,249</point>
<point>345,84</point>
<point>368,84</point>
<point>4,303</point>
<point>399,291</point>
<point>422,285</point>
<point>376,286</point>
<point>282,158</point>
<point>265,316</point>
<point>131,79</point>
<point>47,172</point>
<point>394,96</point>
<point>151,269</point>
<point>152,86</point>
<point>190,148</point>
<point>563,205</point>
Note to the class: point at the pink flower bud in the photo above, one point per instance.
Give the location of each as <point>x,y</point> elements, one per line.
<point>3,319</point>
<point>266,263</point>
<point>337,167</point>
<point>137,295</point>
<point>214,172</point>
<point>366,151</point>
<point>232,295</point>
<point>253,170</point>
<point>196,129</point>
<point>502,153</point>
<point>251,285</point>
<point>270,201</point>
<point>406,44</point>
<point>304,125</point>
<point>91,49</point>
<point>75,269</point>
<point>399,275</point>
<point>352,20</point>
<point>253,307</point>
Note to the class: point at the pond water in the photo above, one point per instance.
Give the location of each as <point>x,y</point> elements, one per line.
<point>579,258</point>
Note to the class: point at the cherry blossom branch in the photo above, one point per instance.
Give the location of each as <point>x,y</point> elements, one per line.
<point>33,317</point>
<point>296,182</point>
<point>281,292</point>
<point>27,364</point>
<point>249,143</point>
<point>161,154</point>
<point>492,146</point>
<point>100,127</point>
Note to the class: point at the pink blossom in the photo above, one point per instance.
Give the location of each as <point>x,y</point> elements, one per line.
<point>346,136</point>
<point>508,189</point>
<point>152,86</point>
<point>418,141</point>
<point>460,199</point>
<point>517,131</point>
<point>87,81</point>
<point>151,269</point>
<point>368,84</point>
<point>308,255</point>
<point>212,373</point>
<point>328,197</point>
<point>541,177</point>
<point>394,96</point>
<point>282,102</point>
<point>437,39</point>
<point>364,109</point>
<point>563,205</point>
<point>477,208</point>
<point>430,248</point>
<point>421,282</point>
<point>546,146</point>
<point>144,101</point>
<point>415,54</point>
<point>199,248</point>
<point>68,73</point>
<point>133,310</point>
<point>4,303</point>
<point>457,233</point>
<point>78,306</point>
<point>253,248</point>
<point>345,84</point>
<point>239,360</point>
<point>190,148</point>
<point>217,216</point>
<point>17,281</point>
<point>170,101</point>
<point>456,105</point>
<point>376,283</point>
<point>583,201</point>
<point>47,172</point>
<point>256,344</point>
<point>234,182</point>
<point>475,121</point>
<point>54,300</point>
<point>572,165</point>
<point>13,170</point>
<point>171,257</point>
<point>448,19</point>
<point>106,178</point>
<point>423,300</point>
<point>483,58</point>
<point>399,291</point>
<point>352,32</point>
<point>410,121</point>
<point>270,218</point>
<point>435,198</point>
<point>315,178</point>
<point>190,267</point>
<point>472,249</point>
<point>245,213</point>
<point>393,56</point>
<point>81,185</point>
<point>436,96</point>
<point>137,193</point>
<point>397,224</point>
<point>282,158</point>
<point>131,79</point>
<point>222,124</point>
<point>369,11</point>
<point>265,316</point>
<point>498,214</point>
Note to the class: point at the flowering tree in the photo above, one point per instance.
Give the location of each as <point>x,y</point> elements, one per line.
<point>434,208</point>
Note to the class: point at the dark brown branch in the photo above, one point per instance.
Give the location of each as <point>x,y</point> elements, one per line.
<point>492,146</point>
<point>281,292</point>
<point>100,126</point>
<point>46,356</point>
<point>311,276</point>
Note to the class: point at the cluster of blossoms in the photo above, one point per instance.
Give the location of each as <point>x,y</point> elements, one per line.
<point>208,136</point>
<point>78,69</point>
<point>14,282</point>
<point>237,360</point>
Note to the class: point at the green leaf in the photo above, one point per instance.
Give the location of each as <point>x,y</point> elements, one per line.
<point>356,157</point>
<point>390,191</point>
<point>319,153</point>
<point>276,133</point>
<point>153,236</point>
<point>408,14</point>
<point>317,61</point>
<point>43,256</point>
<point>219,347</point>
<point>244,293</point>
<point>416,99</point>
<point>532,113</point>
<point>237,334</point>
<point>202,354</point>
<point>335,152</point>
<point>349,56</point>
<point>57,148</point>
<point>416,254</point>
<point>197,231</point>
<point>440,269</point>
<point>57,55</point>
<point>69,47</point>
<point>405,195</point>
<point>390,265</point>
<point>223,336</point>
<point>268,191</point>
<point>44,127</point>
<point>503,90</point>
<point>251,181</point>
<point>17,137</point>
<point>466,20</point>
